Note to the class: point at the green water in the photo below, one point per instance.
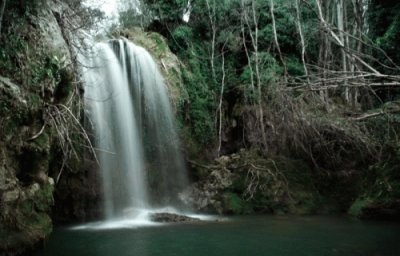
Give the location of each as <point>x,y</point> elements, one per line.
<point>274,236</point>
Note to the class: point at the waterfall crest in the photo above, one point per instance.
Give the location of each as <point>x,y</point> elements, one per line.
<point>133,129</point>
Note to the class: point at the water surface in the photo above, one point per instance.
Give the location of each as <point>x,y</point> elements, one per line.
<point>266,235</point>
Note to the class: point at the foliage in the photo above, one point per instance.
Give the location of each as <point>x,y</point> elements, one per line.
<point>200,105</point>
<point>235,204</point>
<point>384,22</point>
<point>182,36</point>
<point>130,18</point>
<point>165,14</point>
<point>383,179</point>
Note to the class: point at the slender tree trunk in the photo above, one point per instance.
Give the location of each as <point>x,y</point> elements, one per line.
<point>325,51</point>
<point>357,45</point>
<point>220,104</point>
<point>248,58</point>
<point>212,17</point>
<point>2,8</point>
<point>276,37</point>
<point>246,22</point>
<point>303,46</point>
<point>340,19</point>
<point>258,75</point>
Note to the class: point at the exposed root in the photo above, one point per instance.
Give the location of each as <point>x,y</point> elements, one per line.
<point>69,129</point>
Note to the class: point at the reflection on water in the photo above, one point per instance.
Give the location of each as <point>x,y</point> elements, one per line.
<point>275,236</point>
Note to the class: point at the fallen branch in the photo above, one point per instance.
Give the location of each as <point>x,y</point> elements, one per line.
<point>367,116</point>
<point>209,167</point>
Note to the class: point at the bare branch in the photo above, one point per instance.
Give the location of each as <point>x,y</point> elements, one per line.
<point>375,114</point>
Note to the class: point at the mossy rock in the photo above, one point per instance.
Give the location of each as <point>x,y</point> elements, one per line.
<point>28,222</point>
<point>376,210</point>
<point>168,63</point>
<point>234,204</point>
<point>358,206</point>
<point>380,191</point>
<point>37,228</point>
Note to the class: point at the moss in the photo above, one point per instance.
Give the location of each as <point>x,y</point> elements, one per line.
<point>33,212</point>
<point>28,222</point>
<point>41,223</point>
<point>357,207</point>
<point>43,141</point>
<point>65,86</point>
<point>44,198</point>
<point>161,44</point>
<point>234,204</point>
<point>308,202</point>
<point>12,48</point>
<point>5,108</point>
<point>380,191</point>
<point>35,101</point>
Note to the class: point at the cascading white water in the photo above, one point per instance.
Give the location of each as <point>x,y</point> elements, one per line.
<point>134,132</point>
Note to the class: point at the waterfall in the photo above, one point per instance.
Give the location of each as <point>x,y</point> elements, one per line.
<point>133,129</point>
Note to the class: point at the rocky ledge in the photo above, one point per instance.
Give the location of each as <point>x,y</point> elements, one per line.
<point>165,217</point>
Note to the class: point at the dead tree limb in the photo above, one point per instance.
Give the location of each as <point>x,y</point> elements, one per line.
<point>379,113</point>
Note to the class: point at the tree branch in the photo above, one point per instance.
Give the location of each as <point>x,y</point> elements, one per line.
<point>366,116</point>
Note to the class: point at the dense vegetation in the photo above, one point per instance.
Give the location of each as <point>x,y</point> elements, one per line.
<point>315,81</point>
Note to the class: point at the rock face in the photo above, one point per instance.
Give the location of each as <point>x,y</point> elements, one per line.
<point>36,78</point>
<point>165,217</point>
<point>26,192</point>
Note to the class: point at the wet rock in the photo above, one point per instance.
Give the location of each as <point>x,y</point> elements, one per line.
<point>31,191</point>
<point>10,196</point>
<point>166,217</point>
<point>12,90</point>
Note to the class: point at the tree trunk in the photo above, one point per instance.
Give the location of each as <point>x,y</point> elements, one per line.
<point>220,104</point>
<point>212,17</point>
<point>303,46</point>
<point>247,55</point>
<point>340,12</point>
<point>276,37</point>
